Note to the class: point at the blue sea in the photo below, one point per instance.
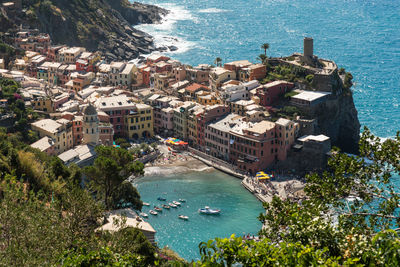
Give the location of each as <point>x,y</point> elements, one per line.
<point>362,36</point>
<point>239,209</point>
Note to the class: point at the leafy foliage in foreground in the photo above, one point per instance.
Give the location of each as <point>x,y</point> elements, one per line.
<point>45,213</point>
<point>350,217</point>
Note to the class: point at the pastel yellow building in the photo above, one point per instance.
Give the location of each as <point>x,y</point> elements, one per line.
<point>193,116</point>
<point>60,131</point>
<point>43,104</point>
<point>139,122</point>
<point>220,75</point>
<point>208,100</point>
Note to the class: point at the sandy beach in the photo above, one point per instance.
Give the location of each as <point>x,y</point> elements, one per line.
<point>284,186</point>
<point>172,163</point>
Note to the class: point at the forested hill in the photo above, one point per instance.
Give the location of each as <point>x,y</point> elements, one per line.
<point>104,25</point>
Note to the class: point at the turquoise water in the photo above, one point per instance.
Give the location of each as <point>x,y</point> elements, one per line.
<point>239,208</point>
<point>362,36</point>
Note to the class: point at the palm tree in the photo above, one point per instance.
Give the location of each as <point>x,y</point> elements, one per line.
<point>262,58</point>
<point>218,61</point>
<point>265,47</point>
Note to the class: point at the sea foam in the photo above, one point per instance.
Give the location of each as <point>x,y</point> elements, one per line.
<point>164,33</point>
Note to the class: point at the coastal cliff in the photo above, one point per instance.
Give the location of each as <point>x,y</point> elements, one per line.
<point>104,25</point>
<point>339,121</point>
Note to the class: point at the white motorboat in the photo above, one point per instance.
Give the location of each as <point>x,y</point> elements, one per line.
<point>172,205</point>
<point>144,215</point>
<point>183,217</point>
<point>176,203</point>
<point>182,200</point>
<point>146,204</point>
<point>208,211</point>
<point>152,212</point>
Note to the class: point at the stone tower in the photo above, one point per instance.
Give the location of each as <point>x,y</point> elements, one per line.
<point>308,50</point>
<point>90,126</point>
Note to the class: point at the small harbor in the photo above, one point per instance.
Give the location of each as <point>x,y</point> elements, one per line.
<point>238,209</point>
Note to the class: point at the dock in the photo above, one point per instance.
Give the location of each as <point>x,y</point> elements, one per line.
<point>256,191</point>
<point>216,163</point>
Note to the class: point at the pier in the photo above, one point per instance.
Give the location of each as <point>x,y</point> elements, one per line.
<point>217,163</point>
<point>256,190</point>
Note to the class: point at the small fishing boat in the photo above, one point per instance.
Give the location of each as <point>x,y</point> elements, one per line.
<point>172,205</point>
<point>165,206</point>
<point>176,203</point>
<point>161,199</point>
<point>183,217</point>
<point>208,211</point>
<point>144,215</point>
<point>152,212</point>
<point>146,204</point>
<point>182,200</point>
<point>157,209</point>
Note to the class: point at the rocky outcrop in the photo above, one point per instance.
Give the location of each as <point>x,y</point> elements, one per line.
<point>104,25</point>
<point>339,121</point>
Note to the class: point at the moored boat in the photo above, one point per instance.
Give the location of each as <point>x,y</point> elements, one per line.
<point>208,211</point>
<point>165,206</point>
<point>144,215</point>
<point>161,199</point>
<point>182,200</point>
<point>183,217</point>
<point>157,208</point>
<point>152,212</point>
<point>176,203</point>
<point>146,204</point>
<point>172,205</point>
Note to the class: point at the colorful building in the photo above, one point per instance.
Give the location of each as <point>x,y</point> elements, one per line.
<point>253,146</point>
<point>220,75</point>
<point>253,72</point>
<point>139,122</point>
<point>271,92</point>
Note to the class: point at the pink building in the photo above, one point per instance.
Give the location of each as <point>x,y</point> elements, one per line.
<point>211,113</point>
<point>270,92</point>
<point>59,100</point>
<point>116,107</point>
<point>156,58</point>
<point>253,147</point>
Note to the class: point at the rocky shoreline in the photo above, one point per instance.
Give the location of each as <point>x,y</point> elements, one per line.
<point>105,25</point>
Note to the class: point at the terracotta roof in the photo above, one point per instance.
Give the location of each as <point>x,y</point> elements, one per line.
<point>195,87</point>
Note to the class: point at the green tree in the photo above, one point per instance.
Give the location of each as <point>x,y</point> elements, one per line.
<point>126,196</point>
<point>262,58</point>
<point>265,47</point>
<point>327,228</point>
<point>111,168</point>
<point>348,80</point>
<point>102,257</point>
<point>218,62</point>
<point>309,78</point>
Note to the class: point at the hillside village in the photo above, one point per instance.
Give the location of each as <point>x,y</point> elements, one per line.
<point>248,116</point>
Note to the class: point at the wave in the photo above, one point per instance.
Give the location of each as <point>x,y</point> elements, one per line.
<point>165,35</point>
<point>213,10</point>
